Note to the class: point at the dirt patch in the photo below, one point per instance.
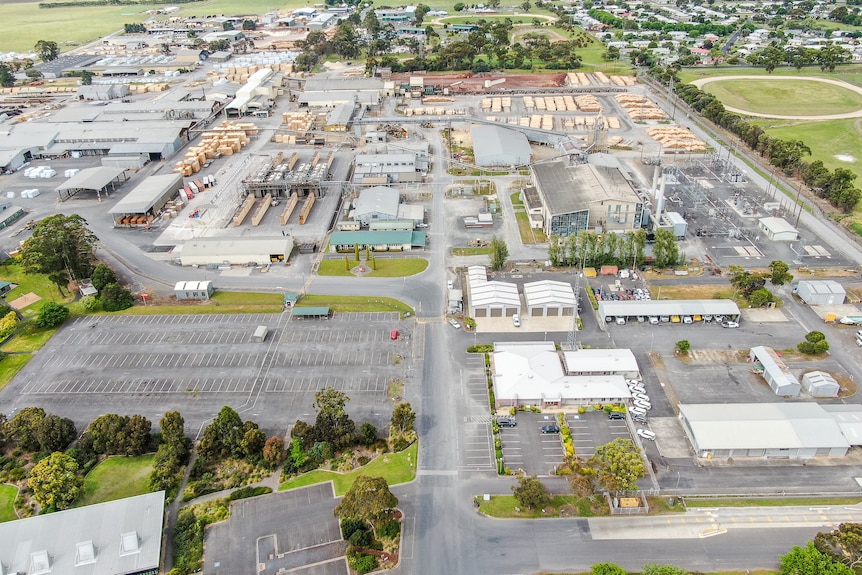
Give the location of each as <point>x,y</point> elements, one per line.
<point>20,303</point>
<point>469,82</point>
<point>714,356</point>
<point>696,291</point>
<point>763,315</point>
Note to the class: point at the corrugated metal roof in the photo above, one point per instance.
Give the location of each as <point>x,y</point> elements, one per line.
<point>849,419</point>
<point>495,145</point>
<point>777,225</point>
<point>311,311</point>
<point>380,200</point>
<point>147,193</point>
<point>92,178</point>
<point>631,308</point>
<point>762,426</point>
<point>376,238</point>
<point>822,286</point>
<point>494,294</point>
<point>237,247</point>
<point>771,363</point>
<point>549,292</point>
<point>566,189</point>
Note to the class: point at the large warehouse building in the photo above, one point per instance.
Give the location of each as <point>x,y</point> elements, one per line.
<point>820,292</point>
<point>765,430</point>
<point>122,537</point>
<point>550,298</point>
<point>148,197</point>
<point>101,180</point>
<point>491,298</point>
<point>236,251</point>
<point>535,373</point>
<point>585,196</point>
<point>498,146</point>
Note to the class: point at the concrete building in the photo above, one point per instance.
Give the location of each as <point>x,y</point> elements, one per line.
<point>550,298</point>
<point>601,362</point>
<point>258,94</point>
<point>763,430</point>
<point>393,168</point>
<point>499,146</point>
<point>820,384</point>
<point>775,371</point>
<point>585,197</point>
<point>388,241</point>
<point>149,197</point>
<point>193,290</point>
<point>102,92</point>
<point>534,373</point>
<point>236,251</point>
<point>491,298</point>
<point>122,537</point>
<point>778,229</point>
<point>331,92</point>
<point>377,203</point>
<point>820,292</point>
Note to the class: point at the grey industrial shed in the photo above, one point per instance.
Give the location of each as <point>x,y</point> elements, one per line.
<point>377,203</point>
<point>193,290</point>
<point>498,146</point>
<point>775,371</point>
<point>820,292</point>
<point>691,307</point>
<point>98,179</point>
<point>820,384</point>
<point>766,430</point>
<point>149,196</point>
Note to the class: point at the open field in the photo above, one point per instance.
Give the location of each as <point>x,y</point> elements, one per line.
<point>773,502</point>
<point>7,502</point>
<point>116,478</point>
<point>394,467</point>
<point>358,303</point>
<point>852,74</point>
<point>386,267</point>
<point>772,96</point>
<point>38,284</point>
<point>10,366</point>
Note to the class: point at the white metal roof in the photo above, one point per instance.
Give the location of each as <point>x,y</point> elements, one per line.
<point>820,380</point>
<point>600,361</point>
<point>849,419</point>
<point>493,144</point>
<point>240,246</point>
<point>549,293</point>
<point>192,286</point>
<point>379,199</point>
<point>67,537</point>
<point>822,286</point>
<point>494,294</point>
<point>762,426</point>
<point>777,225</point>
<point>770,361</point>
<point>529,370</point>
<point>629,308</point>
<point>147,193</point>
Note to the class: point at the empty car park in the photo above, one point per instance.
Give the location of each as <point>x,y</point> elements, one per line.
<point>198,363</point>
<point>592,429</point>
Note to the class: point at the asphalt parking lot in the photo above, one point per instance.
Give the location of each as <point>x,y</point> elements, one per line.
<point>477,442</point>
<point>592,429</point>
<point>526,447</point>
<point>259,538</point>
<point>198,363</point>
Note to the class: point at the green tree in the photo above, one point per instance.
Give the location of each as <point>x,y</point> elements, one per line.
<point>172,454</point>
<point>55,433</point>
<point>843,544</point>
<point>760,297</point>
<point>86,78</point>
<point>60,245</point>
<point>780,273</point>
<point>499,253</point>
<point>46,50</point>
<point>223,437</point>
<point>368,433</point>
<point>747,282</point>
<point>683,346</point>
<point>7,79</point>
<point>607,569</point>
<point>531,493</point>
<point>137,436</point>
<point>809,561</point>
<point>403,418</point>
<point>618,465</point>
<point>253,441</point>
<point>172,431</point>
<point>368,498</point>
<point>273,452</point>
<point>51,315</point>
<point>459,6</point>
<point>665,249</point>
<point>227,26</point>
<point>332,423</point>
<point>55,481</point>
<point>23,428</point>
<point>115,298</point>
<point>103,275</point>
<point>248,24</point>
<point>815,343</point>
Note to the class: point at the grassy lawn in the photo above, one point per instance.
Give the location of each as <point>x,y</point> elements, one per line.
<point>528,234</point>
<point>27,283</point>
<point>115,478</point>
<point>471,251</point>
<point>386,267</point>
<point>505,506</point>
<point>7,502</point>
<point>220,303</point>
<point>772,96</point>
<point>29,338</point>
<point>692,292</point>
<point>358,303</point>
<point>394,467</point>
<point>851,74</point>
<point>777,502</point>
<point>10,366</point>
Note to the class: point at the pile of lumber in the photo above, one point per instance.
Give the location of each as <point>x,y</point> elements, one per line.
<point>677,138</point>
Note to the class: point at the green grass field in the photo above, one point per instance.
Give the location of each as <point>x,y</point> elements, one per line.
<point>386,267</point>
<point>7,502</point>
<point>773,502</point>
<point>348,303</point>
<point>10,365</point>
<point>797,98</point>
<point>394,467</point>
<point>30,283</point>
<point>115,478</point>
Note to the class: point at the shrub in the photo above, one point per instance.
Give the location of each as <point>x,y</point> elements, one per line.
<point>361,563</point>
<point>246,492</point>
<point>90,303</point>
<point>8,324</point>
<point>390,529</point>
<point>51,315</point>
<point>349,526</point>
<point>361,538</point>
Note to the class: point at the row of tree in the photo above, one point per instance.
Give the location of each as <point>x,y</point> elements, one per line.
<point>752,285</point>
<point>788,155</point>
<point>774,55</point>
<point>595,250</point>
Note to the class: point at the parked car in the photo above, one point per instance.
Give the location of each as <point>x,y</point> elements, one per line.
<point>730,324</point>
<point>454,324</point>
<point>450,284</point>
<point>640,395</point>
<point>621,320</point>
<point>637,389</point>
<point>639,419</point>
<point>516,320</point>
<point>653,320</point>
<point>687,319</point>
<point>550,429</point>
<point>507,421</point>
<point>646,434</point>
<point>637,411</point>
<point>642,404</point>
<point>616,415</point>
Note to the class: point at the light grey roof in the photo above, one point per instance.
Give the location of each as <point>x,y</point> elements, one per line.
<point>820,383</point>
<point>147,193</point>
<point>341,114</point>
<point>762,426</point>
<point>822,286</point>
<point>630,308</point>
<point>336,84</point>
<point>550,293</point>
<point>492,143</point>
<point>122,536</point>
<point>774,365</point>
<point>849,418</point>
<point>566,189</point>
<point>236,246</point>
<point>776,225</point>
<point>378,199</point>
<point>92,178</point>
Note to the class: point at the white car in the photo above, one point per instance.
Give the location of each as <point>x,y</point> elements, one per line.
<point>450,284</point>
<point>642,404</point>
<point>637,411</point>
<point>454,324</point>
<point>516,319</point>
<point>646,434</point>
<point>730,324</point>
<point>637,389</point>
<point>640,396</point>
